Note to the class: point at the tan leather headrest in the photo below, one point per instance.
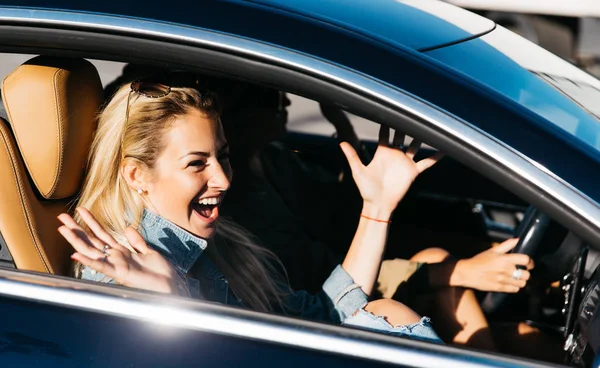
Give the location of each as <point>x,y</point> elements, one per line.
<point>52,104</point>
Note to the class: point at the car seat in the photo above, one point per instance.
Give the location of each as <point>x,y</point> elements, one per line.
<point>51,104</point>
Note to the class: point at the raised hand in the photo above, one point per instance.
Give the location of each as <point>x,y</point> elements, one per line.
<point>494,269</point>
<point>143,268</point>
<point>389,175</point>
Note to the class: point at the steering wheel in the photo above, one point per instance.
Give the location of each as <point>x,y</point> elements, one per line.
<point>530,232</point>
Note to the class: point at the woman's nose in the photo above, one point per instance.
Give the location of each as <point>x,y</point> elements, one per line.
<point>220,177</point>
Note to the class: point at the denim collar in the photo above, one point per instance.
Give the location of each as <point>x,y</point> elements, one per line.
<point>178,246</point>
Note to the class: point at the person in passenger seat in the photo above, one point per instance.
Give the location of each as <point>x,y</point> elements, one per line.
<point>280,198</point>
<point>149,214</point>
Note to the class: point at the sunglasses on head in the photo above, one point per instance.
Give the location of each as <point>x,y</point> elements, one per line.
<point>160,86</point>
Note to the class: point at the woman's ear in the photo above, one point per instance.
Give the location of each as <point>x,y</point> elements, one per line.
<point>136,176</point>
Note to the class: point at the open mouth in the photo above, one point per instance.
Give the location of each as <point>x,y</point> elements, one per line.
<point>207,208</point>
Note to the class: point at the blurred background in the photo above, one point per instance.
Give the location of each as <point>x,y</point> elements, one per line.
<point>567,28</point>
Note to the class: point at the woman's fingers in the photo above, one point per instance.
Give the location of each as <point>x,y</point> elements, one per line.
<point>78,231</point>
<point>505,281</point>
<point>413,148</point>
<point>96,228</point>
<point>510,271</point>
<point>80,242</point>
<point>136,241</point>
<point>352,157</point>
<point>506,284</point>
<point>68,221</point>
<point>518,283</point>
<point>518,259</point>
<point>96,264</point>
<point>506,246</point>
<point>428,162</point>
<point>525,275</point>
<point>98,244</point>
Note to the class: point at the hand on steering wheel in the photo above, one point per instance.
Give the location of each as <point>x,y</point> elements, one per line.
<point>495,269</point>
<point>530,233</point>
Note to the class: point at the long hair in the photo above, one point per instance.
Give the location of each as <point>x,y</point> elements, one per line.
<point>250,269</point>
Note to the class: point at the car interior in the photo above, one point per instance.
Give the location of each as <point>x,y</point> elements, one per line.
<point>48,117</point>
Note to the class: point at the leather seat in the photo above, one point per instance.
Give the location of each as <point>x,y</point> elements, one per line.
<point>51,105</point>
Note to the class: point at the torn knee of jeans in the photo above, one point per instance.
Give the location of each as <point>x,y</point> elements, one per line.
<point>364,319</point>
<point>424,322</point>
<point>373,316</point>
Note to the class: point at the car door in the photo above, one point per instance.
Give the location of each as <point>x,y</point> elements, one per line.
<point>51,321</point>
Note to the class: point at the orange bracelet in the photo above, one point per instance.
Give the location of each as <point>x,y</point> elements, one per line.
<point>376,220</point>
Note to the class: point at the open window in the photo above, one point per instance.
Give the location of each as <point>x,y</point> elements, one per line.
<point>299,199</point>
<point>469,200</point>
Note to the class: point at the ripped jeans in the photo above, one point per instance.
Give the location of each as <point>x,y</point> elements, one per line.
<point>421,330</point>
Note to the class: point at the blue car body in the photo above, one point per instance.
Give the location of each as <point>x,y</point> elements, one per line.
<point>441,56</point>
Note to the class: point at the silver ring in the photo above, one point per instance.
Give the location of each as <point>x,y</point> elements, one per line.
<point>105,251</point>
<point>517,274</point>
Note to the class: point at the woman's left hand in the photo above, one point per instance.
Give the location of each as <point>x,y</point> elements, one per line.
<point>387,178</point>
<point>142,268</point>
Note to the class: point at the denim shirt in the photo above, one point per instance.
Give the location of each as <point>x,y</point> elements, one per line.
<point>339,298</point>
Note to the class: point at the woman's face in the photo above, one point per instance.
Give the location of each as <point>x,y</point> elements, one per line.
<point>191,174</point>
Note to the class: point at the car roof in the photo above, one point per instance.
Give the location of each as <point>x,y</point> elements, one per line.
<point>416,24</point>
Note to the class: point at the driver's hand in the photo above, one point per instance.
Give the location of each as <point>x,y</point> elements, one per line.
<point>494,269</point>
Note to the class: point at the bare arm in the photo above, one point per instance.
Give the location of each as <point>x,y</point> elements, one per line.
<point>382,184</point>
<point>490,270</point>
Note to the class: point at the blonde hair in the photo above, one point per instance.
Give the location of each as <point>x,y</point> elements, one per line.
<point>249,268</point>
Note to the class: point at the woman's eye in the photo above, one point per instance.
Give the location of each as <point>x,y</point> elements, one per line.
<point>197,163</point>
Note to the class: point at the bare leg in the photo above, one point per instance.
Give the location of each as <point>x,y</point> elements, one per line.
<point>394,312</point>
<point>455,311</point>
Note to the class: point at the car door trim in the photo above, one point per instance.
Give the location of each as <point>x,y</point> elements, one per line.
<point>214,318</point>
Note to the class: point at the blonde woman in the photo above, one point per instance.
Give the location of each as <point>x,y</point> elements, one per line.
<point>148,215</point>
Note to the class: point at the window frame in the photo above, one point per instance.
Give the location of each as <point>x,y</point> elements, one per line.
<point>110,38</point>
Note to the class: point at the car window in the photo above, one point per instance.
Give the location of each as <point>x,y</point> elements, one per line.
<point>306,117</point>
<point>305,208</point>
<point>303,205</point>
